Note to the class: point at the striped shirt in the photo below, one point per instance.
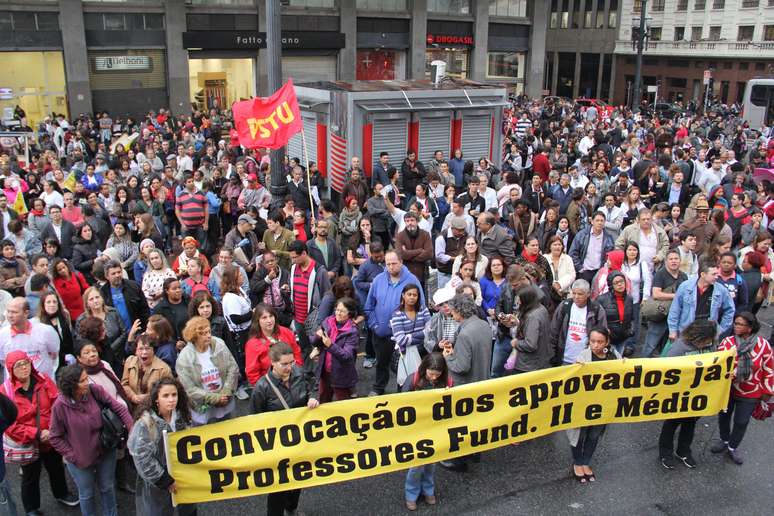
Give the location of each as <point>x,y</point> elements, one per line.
<point>301,292</point>
<point>193,208</point>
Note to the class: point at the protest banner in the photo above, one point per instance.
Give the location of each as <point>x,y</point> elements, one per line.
<point>268,123</point>
<point>351,439</point>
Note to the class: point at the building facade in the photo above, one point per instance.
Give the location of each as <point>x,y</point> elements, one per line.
<point>580,45</point>
<point>732,40</point>
<point>132,56</point>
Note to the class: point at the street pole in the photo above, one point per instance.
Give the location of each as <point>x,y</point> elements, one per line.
<point>637,96</point>
<point>274,68</point>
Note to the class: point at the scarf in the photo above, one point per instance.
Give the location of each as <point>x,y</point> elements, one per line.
<point>182,260</point>
<point>100,368</point>
<point>530,259</point>
<point>333,333</point>
<point>744,348</point>
<point>37,213</point>
<point>7,263</point>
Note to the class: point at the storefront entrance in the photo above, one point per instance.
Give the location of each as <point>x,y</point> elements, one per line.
<point>457,61</point>
<point>217,83</point>
<point>35,81</point>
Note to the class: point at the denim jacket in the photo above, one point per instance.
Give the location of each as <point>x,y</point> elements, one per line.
<point>683,309</point>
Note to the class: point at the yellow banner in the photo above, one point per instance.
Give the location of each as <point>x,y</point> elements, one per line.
<point>351,439</point>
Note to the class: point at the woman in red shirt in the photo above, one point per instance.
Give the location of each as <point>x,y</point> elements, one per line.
<point>753,383</point>
<point>70,285</point>
<point>264,333</point>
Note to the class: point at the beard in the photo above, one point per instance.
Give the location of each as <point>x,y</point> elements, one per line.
<point>413,233</point>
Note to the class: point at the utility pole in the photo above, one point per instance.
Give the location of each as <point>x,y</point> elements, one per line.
<point>637,96</point>
<point>274,68</point>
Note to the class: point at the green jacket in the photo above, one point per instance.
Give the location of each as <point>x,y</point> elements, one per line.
<point>189,372</point>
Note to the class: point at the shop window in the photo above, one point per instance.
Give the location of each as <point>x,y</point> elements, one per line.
<point>38,83</point>
<point>505,65</point>
<point>714,33</point>
<point>375,65</point>
<point>509,8</point>
<point>447,6</point>
<point>24,21</point>
<point>678,83</point>
<point>114,21</point>
<point>457,61</point>
<point>745,33</point>
<point>655,33</point>
<point>382,5</point>
<point>699,5</point>
<point>696,33</point>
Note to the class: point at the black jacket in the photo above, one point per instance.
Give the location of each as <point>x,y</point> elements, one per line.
<point>595,316</point>
<point>333,263</point>
<point>410,178</point>
<point>177,315</point>
<point>84,254</point>
<point>264,399</point>
<point>258,286</point>
<point>620,330</point>
<point>65,243</point>
<point>135,300</point>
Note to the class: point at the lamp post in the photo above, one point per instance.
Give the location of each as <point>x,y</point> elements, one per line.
<point>274,68</point>
<point>637,96</point>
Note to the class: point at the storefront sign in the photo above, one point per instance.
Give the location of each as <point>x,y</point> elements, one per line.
<point>110,63</point>
<point>443,39</point>
<point>240,40</point>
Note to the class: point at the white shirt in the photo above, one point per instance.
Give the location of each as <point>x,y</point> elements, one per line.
<point>397,216</point>
<point>645,279</point>
<point>41,344</point>
<point>648,247</point>
<point>52,199</point>
<point>490,198</point>
<point>593,260</point>
<point>234,304</point>
<point>212,382</point>
<point>577,334</point>
<point>585,145</point>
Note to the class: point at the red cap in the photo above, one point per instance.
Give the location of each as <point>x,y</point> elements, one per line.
<point>252,177</point>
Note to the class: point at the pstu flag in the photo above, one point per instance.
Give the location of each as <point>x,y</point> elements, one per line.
<point>19,206</point>
<point>268,122</point>
<point>69,182</point>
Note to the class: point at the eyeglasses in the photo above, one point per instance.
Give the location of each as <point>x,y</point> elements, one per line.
<point>740,323</point>
<point>22,363</point>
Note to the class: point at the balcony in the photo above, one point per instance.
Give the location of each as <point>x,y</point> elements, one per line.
<point>719,49</point>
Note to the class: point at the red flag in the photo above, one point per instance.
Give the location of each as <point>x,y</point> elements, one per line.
<point>268,122</point>
<point>233,138</point>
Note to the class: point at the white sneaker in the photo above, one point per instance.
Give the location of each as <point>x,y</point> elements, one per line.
<point>241,393</point>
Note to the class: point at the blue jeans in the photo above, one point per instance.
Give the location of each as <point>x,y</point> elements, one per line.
<point>443,279</point>
<point>625,344</point>
<point>101,475</point>
<point>654,337</point>
<point>587,444</point>
<point>420,481</point>
<point>500,353</point>
<point>7,505</point>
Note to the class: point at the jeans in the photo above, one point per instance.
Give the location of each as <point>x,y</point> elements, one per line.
<point>654,338</point>
<point>637,324</point>
<point>30,484</point>
<point>278,503</point>
<point>587,443</point>
<point>102,475</point>
<point>500,353</point>
<point>383,346</point>
<point>443,279</point>
<point>7,505</point>
<point>740,409</point>
<point>629,343</point>
<point>684,439</point>
<point>420,481</point>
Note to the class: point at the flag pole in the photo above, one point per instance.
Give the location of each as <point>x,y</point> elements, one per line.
<point>308,174</point>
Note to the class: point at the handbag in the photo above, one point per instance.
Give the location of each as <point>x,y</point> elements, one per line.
<point>310,324</point>
<point>113,434</point>
<point>22,454</point>
<point>656,310</point>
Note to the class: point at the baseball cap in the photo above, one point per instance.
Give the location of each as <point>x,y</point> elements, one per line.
<point>246,218</point>
<point>252,177</point>
<point>458,223</point>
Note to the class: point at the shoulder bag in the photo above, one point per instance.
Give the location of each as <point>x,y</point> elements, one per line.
<point>277,391</point>
<point>22,454</point>
<point>113,434</point>
<point>656,310</point>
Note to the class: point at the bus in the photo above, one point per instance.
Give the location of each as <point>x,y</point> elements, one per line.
<point>758,102</point>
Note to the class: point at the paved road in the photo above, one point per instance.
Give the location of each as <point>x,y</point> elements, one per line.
<point>533,478</point>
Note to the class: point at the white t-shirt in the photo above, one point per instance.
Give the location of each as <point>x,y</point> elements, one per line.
<point>212,381</point>
<point>41,344</point>
<point>577,334</point>
<point>235,305</point>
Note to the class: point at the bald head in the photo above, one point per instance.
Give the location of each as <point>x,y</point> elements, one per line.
<point>17,311</point>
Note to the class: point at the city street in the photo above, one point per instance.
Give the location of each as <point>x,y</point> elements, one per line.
<point>533,478</point>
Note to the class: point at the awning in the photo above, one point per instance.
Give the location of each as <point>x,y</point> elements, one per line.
<point>429,105</point>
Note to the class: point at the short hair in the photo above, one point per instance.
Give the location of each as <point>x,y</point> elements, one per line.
<point>755,325</point>
<point>706,264</point>
<point>168,283</point>
<point>278,350</point>
<point>515,272</point>
<point>581,284</point>
<point>375,246</point>
<point>38,281</point>
<point>383,154</point>
<point>161,327</point>
<point>728,254</point>
<point>15,226</point>
<point>193,326</point>
<point>91,329</point>
<point>349,304</point>
<point>644,211</point>
<point>685,234</point>
<point>7,243</point>
<point>298,247</point>
<point>673,251</point>
<point>465,305</point>
<point>598,213</point>
<point>111,264</point>
<point>276,216</point>
<point>199,298</point>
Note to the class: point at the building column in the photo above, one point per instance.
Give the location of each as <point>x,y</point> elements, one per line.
<point>611,97</point>
<point>576,76</point>
<point>262,57</point>
<point>178,84</point>
<point>599,93</point>
<point>76,59</point>
<point>555,74</point>
<point>418,39</point>
<point>481,40</point>
<point>348,54</point>
<point>537,50</point>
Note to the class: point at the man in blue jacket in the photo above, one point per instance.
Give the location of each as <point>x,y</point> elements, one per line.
<point>383,299</point>
<point>590,247</point>
<point>362,283</point>
<point>701,298</point>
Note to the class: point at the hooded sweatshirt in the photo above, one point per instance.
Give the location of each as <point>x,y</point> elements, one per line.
<point>41,396</point>
<point>599,284</point>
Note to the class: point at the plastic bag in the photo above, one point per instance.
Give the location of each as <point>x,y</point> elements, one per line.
<point>408,363</point>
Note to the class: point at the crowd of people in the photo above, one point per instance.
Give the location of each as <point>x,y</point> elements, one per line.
<point>152,275</point>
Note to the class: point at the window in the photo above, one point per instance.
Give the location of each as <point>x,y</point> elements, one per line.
<point>565,14</point>
<point>682,5</point>
<point>719,4</point>
<point>554,21</point>
<point>637,7</point>
<point>759,67</point>
<point>588,22</point>
<point>114,21</point>
<point>714,33</point>
<point>744,66</point>
<point>679,33</point>
<point>47,21</point>
<point>24,21</point>
<point>300,3</point>
<point>696,33</point>
<point>612,15</point>
<point>768,33</point>
<point>438,6</point>
<point>655,33</point>
<point>750,3</point>
<point>576,15</point>
<point>510,8</point>
<point>504,65</point>
<point>382,5</point>
<point>745,33</point>
<point>217,2</point>
<point>699,5</point>
<point>728,65</point>
<point>600,14</point>
<point>657,6</point>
